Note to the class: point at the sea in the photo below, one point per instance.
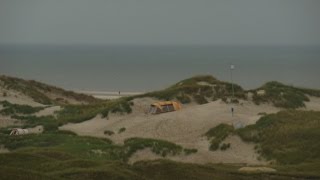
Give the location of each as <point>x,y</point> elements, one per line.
<point>142,68</point>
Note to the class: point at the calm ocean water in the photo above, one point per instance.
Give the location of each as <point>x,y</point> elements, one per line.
<point>145,68</point>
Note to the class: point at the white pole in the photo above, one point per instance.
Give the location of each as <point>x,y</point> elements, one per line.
<point>231,69</point>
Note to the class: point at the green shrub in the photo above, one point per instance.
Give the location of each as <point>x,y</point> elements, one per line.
<point>217,134</point>
<point>224,99</point>
<point>200,99</point>
<point>190,151</point>
<point>121,130</point>
<point>184,99</point>
<point>159,147</point>
<point>225,146</point>
<point>108,132</point>
<point>235,101</point>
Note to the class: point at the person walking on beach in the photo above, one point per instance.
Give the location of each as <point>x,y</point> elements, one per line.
<point>232,110</point>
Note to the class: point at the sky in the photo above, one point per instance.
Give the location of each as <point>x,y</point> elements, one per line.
<point>145,22</point>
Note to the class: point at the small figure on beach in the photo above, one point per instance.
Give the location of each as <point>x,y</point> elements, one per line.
<point>232,110</point>
<point>119,93</point>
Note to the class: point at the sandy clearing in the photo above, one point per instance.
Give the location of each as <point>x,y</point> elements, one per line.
<point>256,169</point>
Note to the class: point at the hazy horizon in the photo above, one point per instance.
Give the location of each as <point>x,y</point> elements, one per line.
<point>148,45</point>
<point>146,68</point>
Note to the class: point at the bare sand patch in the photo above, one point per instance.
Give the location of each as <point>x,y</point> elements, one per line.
<point>313,104</point>
<point>257,169</point>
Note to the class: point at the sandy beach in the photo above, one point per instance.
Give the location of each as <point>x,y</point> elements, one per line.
<point>109,94</point>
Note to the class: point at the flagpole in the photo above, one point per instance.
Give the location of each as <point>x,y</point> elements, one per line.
<point>231,69</point>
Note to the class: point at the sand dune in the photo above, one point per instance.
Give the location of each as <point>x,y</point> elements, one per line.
<point>185,127</point>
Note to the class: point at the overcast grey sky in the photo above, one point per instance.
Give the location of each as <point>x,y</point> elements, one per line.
<point>222,22</point>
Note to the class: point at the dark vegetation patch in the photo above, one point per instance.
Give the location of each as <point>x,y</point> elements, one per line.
<point>80,113</point>
<point>108,132</point>
<point>200,99</point>
<point>190,151</point>
<point>284,96</point>
<point>121,130</point>
<point>159,147</point>
<point>89,147</point>
<point>289,137</point>
<point>225,146</point>
<point>184,99</point>
<point>9,109</point>
<point>217,134</point>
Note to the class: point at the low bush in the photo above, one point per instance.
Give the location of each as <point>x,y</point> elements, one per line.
<point>200,99</point>
<point>190,151</point>
<point>159,147</point>
<point>184,99</point>
<point>108,132</point>
<point>217,134</point>
<point>121,130</point>
<point>225,146</point>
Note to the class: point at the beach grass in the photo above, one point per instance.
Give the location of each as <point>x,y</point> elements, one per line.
<point>281,95</point>
<point>289,137</point>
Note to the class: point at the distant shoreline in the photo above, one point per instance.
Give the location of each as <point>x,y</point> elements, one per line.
<point>109,94</point>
